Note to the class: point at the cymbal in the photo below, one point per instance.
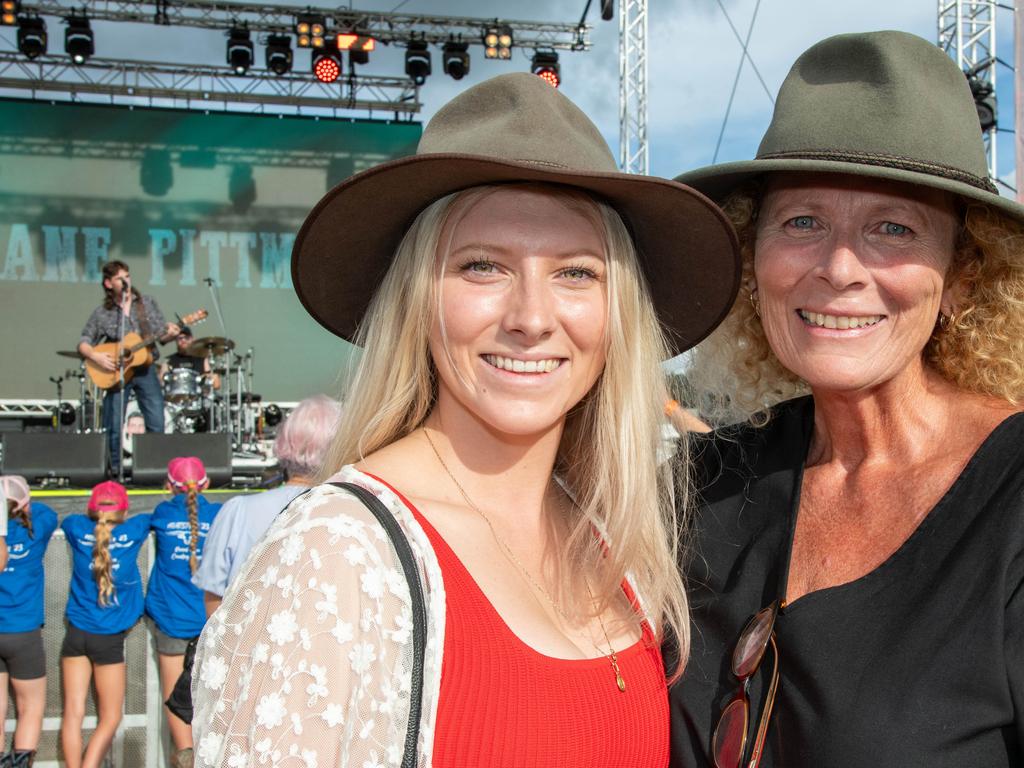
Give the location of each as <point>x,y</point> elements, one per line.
<point>69,353</point>
<point>210,345</point>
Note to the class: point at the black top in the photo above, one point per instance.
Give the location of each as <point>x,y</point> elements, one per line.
<point>918,663</point>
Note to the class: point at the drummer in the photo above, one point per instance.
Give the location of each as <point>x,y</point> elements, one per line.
<point>185,358</point>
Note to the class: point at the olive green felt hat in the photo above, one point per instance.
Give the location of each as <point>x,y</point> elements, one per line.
<point>887,104</point>
<point>515,128</point>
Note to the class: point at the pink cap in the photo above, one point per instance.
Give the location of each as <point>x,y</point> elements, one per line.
<point>186,470</point>
<point>108,496</point>
<point>16,490</point>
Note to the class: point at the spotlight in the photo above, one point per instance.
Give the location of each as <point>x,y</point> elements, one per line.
<point>417,61</point>
<point>9,12</point>
<point>272,415</point>
<point>279,54</point>
<point>607,9</point>
<point>498,40</point>
<point>545,66</point>
<point>64,415</point>
<point>240,55</point>
<point>985,103</point>
<point>32,36</point>
<point>326,65</point>
<point>455,58</point>
<point>309,31</point>
<point>358,46</point>
<point>78,39</point>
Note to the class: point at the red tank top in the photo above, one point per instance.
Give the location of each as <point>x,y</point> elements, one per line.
<point>505,705</point>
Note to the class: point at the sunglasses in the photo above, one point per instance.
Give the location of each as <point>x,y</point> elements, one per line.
<point>729,743</point>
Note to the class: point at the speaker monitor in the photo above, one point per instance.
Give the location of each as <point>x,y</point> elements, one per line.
<point>151,452</point>
<point>80,458</point>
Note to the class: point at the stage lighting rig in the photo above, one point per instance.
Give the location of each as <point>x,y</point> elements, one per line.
<point>240,55</point>
<point>417,61</point>
<point>326,64</point>
<point>309,31</point>
<point>9,12</point>
<point>279,54</point>
<point>545,66</point>
<point>498,42</point>
<point>78,39</point>
<point>455,59</point>
<point>357,45</point>
<point>32,36</point>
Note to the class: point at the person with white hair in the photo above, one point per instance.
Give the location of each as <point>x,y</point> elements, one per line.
<point>301,443</point>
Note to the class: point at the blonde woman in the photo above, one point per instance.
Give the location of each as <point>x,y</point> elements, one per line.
<point>504,422</point>
<point>174,607</point>
<point>104,601</point>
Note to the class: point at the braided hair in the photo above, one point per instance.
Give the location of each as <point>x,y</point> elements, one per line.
<point>102,563</point>
<point>186,474</point>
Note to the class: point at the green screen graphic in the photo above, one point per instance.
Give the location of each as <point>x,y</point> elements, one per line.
<point>182,197</point>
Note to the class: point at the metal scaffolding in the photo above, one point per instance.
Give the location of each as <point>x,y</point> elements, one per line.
<point>967,32</point>
<point>633,155</point>
<point>280,19</point>
<point>199,86</point>
<point>192,86</point>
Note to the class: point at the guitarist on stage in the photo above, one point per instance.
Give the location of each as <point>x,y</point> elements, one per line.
<point>141,315</point>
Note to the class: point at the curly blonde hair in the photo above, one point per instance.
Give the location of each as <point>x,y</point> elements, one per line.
<point>980,349</point>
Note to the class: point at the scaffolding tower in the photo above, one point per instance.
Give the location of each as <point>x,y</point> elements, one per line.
<point>633,155</point>
<point>967,32</point>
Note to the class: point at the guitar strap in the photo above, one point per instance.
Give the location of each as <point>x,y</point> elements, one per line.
<point>143,316</point>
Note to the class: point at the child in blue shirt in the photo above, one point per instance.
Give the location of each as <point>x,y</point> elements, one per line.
<point>104,601</point>
<point>173,605</point>
<point>22,658</point>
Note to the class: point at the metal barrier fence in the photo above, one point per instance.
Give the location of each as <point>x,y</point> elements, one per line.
<point>142,740</point>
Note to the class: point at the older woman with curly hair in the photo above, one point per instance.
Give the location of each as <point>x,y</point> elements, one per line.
<point>858,580</point>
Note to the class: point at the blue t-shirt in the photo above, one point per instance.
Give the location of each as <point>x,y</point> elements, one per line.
<point>21,583</point>
<point>171,601</point>
<point>125,607</point>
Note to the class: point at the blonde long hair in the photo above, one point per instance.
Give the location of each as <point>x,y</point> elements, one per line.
<point>102,563</point>
<point>611,452</point>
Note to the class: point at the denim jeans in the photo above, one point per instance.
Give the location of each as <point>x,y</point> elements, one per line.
<point>146,387</point>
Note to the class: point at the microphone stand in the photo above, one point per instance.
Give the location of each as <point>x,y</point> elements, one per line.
<point>226,386</point>
<point>126,293</point>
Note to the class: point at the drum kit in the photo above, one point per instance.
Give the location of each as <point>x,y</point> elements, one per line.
<point>213,394</point>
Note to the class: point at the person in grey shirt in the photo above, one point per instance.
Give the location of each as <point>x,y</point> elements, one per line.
<point>301,442</point>
<point>124,308</point>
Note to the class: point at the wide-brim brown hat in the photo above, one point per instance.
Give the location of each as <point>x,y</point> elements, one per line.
<point>886,104</point>
<point>515,128</point>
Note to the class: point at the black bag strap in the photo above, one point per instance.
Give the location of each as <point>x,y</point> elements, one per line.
<point>419,611</point>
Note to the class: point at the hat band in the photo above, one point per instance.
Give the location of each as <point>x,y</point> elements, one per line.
<point>888,161</point>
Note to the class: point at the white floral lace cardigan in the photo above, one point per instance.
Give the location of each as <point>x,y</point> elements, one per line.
<point>308,661</point>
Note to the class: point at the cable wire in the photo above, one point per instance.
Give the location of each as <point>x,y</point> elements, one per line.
<point>736,81</point>
<point>746,53</point>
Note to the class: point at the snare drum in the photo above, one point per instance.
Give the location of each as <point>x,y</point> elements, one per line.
<point>182,385</point>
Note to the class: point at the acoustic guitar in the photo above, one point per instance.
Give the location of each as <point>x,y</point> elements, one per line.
<point>133,351</point>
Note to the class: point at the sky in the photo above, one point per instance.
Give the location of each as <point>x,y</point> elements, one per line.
<point>692,52</point>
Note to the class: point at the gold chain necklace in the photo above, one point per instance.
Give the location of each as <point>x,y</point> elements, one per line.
<point>524,571</point>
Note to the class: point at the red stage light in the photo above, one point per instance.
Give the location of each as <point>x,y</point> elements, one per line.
<point>549,76</point>
<point>326,68</point>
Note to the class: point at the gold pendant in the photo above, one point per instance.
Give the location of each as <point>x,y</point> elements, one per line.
<point>620,682</point>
